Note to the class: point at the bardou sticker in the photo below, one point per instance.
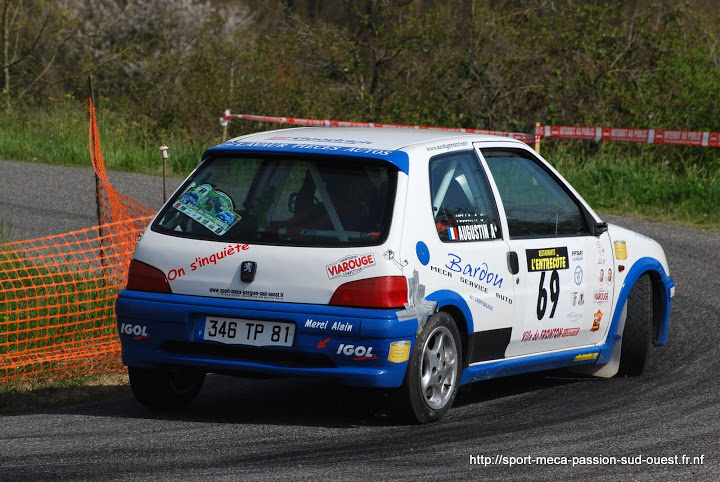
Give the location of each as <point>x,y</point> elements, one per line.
<point>212,209</point>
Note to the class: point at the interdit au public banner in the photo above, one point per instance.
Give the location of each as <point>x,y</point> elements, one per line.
<point>645,136</point>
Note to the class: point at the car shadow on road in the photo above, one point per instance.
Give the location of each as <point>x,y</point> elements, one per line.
<point>510,386</point>
<point>321,403</point>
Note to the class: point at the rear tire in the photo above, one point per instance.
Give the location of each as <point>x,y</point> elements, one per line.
<point>433,375</point>
<point>165,388</point>
<point>637,335</point>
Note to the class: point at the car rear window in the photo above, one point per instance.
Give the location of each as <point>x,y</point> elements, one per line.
<point>284,201</point>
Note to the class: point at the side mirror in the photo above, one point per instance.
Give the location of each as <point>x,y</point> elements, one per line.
<point>600,228</point>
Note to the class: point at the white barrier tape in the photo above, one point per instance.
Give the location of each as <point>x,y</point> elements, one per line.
<point>337,123</point>
<point>646,136</point>
<point>605,134</point>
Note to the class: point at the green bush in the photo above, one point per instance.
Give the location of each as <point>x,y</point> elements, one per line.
<point>487,65</point>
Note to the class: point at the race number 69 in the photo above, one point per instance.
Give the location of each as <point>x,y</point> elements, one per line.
<point>542,301</point>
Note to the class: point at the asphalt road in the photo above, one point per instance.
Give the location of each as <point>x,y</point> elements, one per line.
<point>241,429</point>
<point>39,200</point>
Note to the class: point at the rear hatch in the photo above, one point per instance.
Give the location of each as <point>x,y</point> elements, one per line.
<point>286,228</point>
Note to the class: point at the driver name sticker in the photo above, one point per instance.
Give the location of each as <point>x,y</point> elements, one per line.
<point>472,232</point>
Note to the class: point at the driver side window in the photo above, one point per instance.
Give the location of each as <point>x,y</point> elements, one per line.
<point>536,204</point>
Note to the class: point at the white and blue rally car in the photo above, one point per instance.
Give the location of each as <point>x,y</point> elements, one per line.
<point>411,260</point>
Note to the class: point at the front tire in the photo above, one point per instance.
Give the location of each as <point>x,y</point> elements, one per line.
<point>165,388</point>
<point>433,374</point>
<point>637,335</point>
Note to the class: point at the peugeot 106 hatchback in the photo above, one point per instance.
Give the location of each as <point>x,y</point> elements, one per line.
<point>410,260</point>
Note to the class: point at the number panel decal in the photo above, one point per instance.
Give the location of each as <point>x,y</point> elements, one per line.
<point>549,278</point>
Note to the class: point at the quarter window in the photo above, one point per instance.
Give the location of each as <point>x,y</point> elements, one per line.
<point>462,205</point>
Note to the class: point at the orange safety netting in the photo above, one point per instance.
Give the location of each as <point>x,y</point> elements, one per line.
<point>57,293</point>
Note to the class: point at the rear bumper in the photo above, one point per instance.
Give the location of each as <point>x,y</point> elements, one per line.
<point>360,347</point>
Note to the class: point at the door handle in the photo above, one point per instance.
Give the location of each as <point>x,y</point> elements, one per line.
<point>512,262</point>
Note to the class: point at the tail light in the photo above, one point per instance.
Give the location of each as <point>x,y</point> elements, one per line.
<point>382,292</point>
<point>143,277</point>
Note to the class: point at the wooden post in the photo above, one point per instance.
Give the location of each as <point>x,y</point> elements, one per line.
<point>98,189</point>
<point>537,138</point>
<point>163,150</point>
<point>224,122</point>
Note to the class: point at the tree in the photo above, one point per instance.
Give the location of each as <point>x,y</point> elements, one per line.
<point>33,35</point>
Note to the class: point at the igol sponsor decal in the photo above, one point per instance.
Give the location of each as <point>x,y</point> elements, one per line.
<point>350,265</point>
<point>359,352</point>
<point>547,259</point>
<point>137,331</point>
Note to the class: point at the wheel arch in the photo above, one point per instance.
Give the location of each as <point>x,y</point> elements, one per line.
<point>660,308</point>
<point>662,288</point>
<point>453,304</point>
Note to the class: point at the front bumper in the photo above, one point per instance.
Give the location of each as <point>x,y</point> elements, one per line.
<point>360,347</point>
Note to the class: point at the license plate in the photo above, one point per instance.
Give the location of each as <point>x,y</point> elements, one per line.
<point>235,331</point>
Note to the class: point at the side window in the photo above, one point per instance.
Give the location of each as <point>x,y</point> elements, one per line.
<point>535,203</point>
<point>462,204</point>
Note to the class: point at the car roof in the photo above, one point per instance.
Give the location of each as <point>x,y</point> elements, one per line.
<point>384,143</point>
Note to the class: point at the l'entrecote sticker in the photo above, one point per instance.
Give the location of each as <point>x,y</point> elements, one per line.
<point>213,209</point>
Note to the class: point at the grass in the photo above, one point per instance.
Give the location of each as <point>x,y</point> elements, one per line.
<point>68,305</point>
<point>57,315</point>
<point>29,396</point>
<point>612,177</point>
<point>8,232</point>
<point>640,186</point>
<point>43,306</point>
<point>58,134</point>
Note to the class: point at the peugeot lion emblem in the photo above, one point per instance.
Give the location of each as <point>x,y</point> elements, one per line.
<point>247,271</point>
